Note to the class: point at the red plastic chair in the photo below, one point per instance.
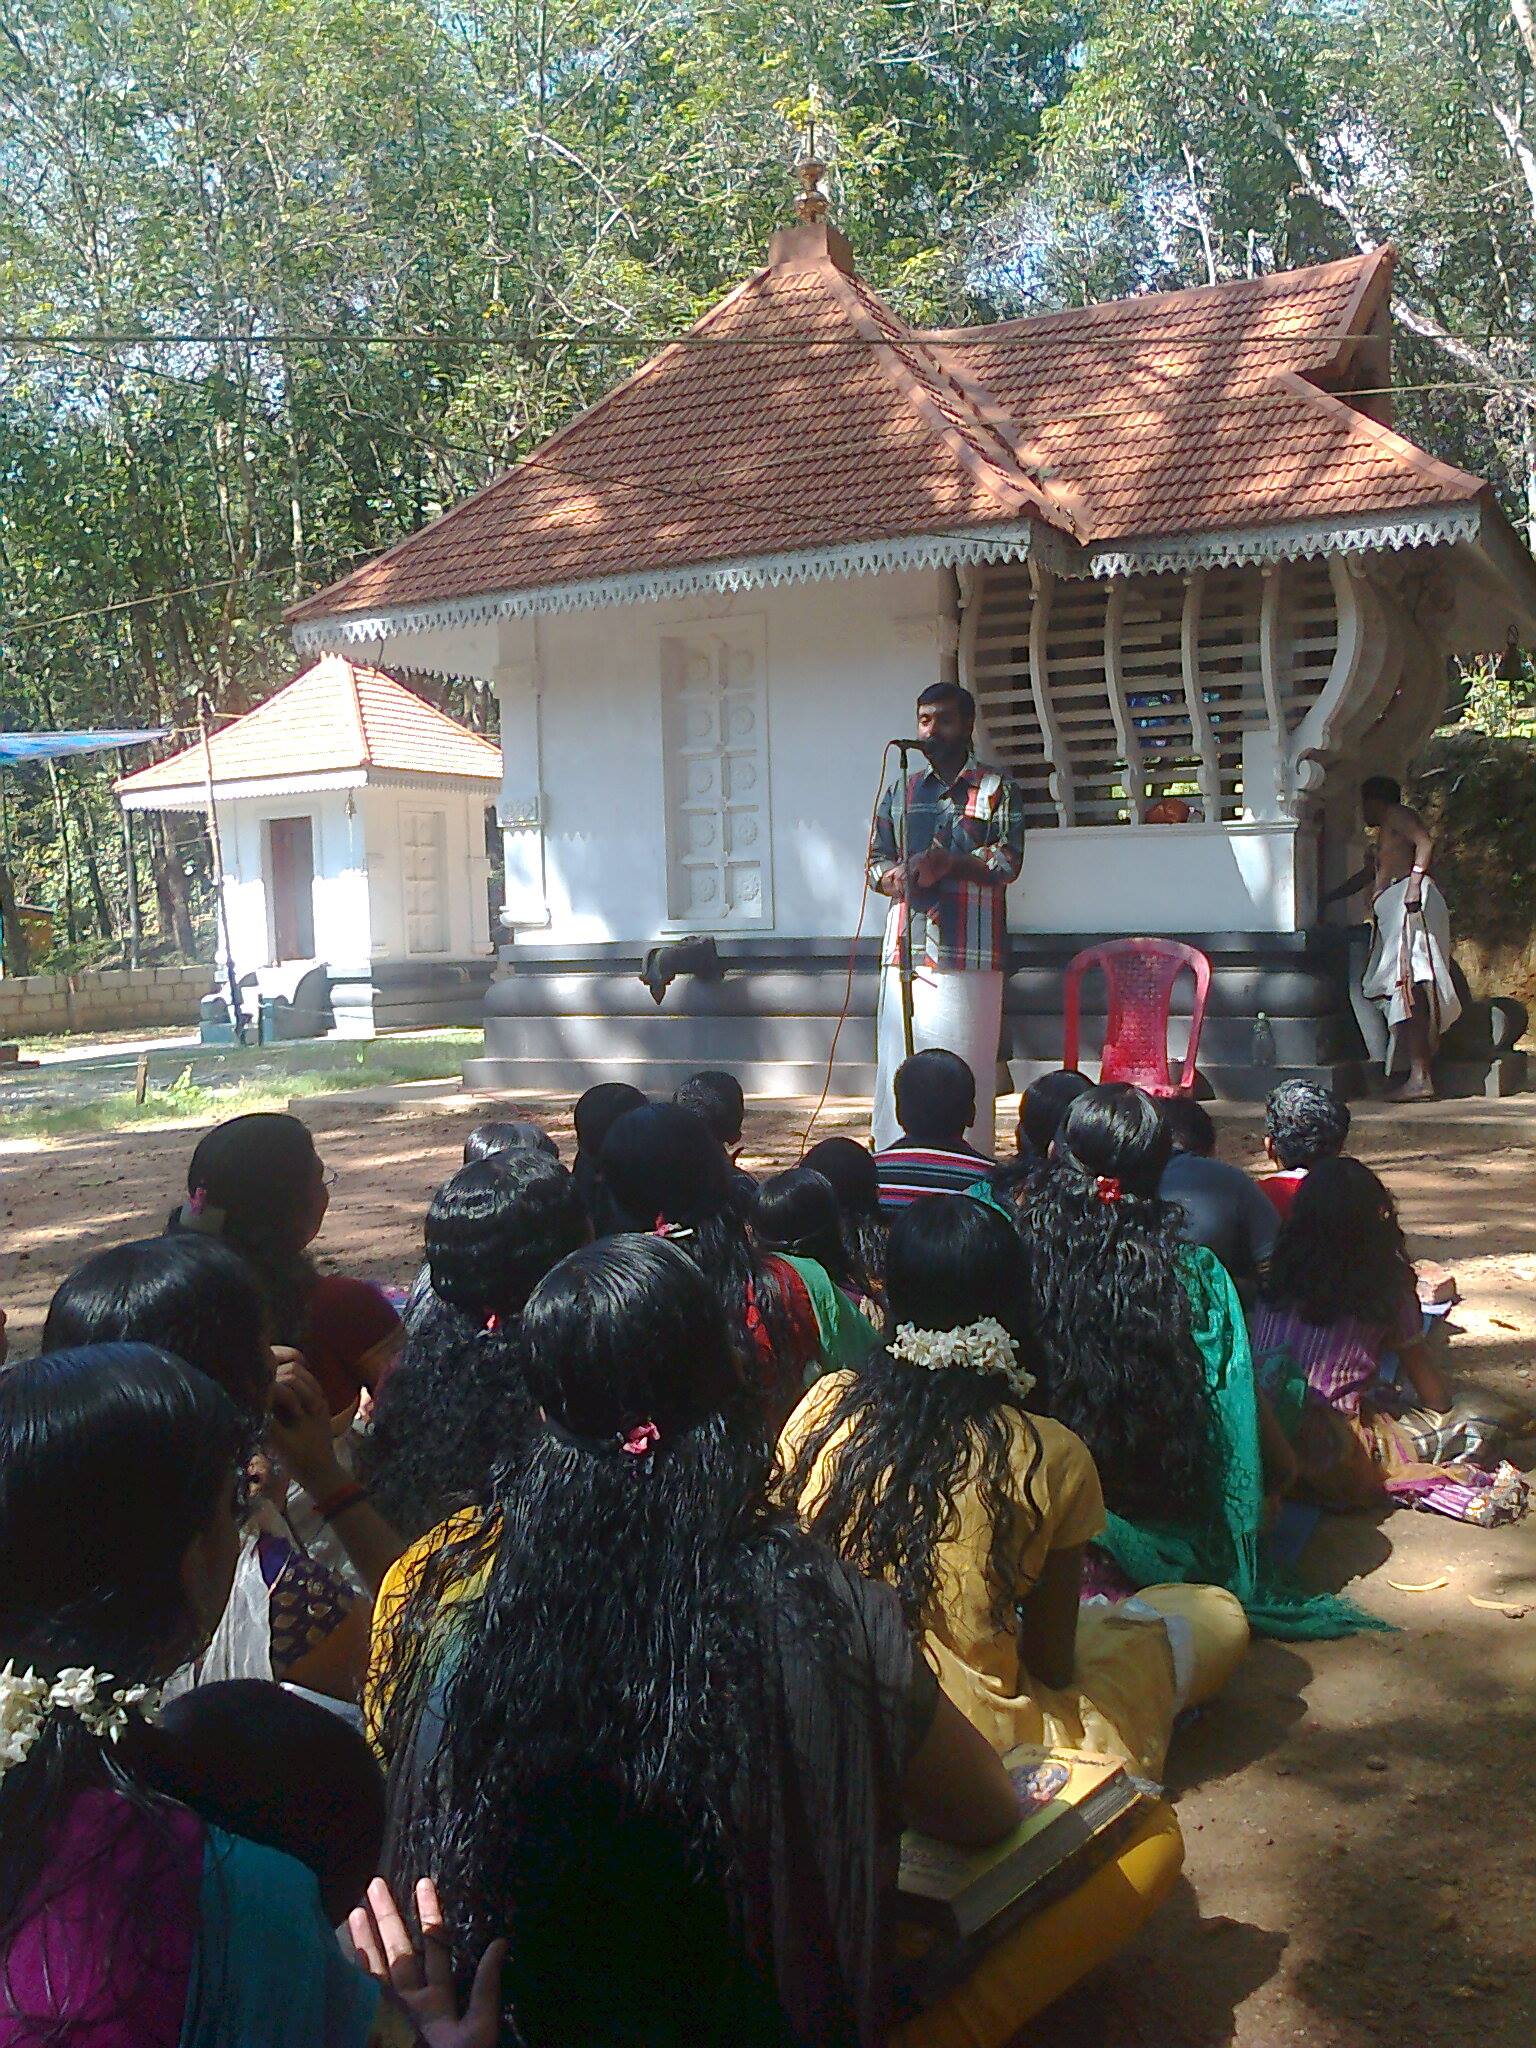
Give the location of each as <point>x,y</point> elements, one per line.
<point>1139,975</point>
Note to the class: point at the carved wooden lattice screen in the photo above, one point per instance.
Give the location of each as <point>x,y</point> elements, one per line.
<point>1102,696</point>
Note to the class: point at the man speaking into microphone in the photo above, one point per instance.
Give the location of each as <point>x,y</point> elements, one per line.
<point>945,932</point>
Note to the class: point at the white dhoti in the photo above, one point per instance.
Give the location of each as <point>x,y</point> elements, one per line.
<point>1411,949</point>
<point>958,1009</point>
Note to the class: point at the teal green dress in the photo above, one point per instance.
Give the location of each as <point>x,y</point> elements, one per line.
<point>1229,1551</point>
<point>847,1334</point>
<point>268,1969</point>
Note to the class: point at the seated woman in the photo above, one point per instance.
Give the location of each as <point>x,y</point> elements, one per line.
<point>293,1615</point>
<point>796,1215</point>
<point>517,1134</point>
<point>926,1468</point>
<point>456,1401</point>
<point>662,1171</point>
<point>258,1183</point>
<point>1142,1351</point>
<point>855,1178</point>
<point>126,1919</point>
<point>595,1115</point>
<point>1042,1106</point>
<point>1341,1297</point>
<point>642,1723</point>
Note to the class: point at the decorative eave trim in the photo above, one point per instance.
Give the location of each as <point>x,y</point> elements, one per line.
<point>1434,526</point>
<point>1002,543</point>
<point>191,796</point>
<point>444,779</point>
<point>185,796</point>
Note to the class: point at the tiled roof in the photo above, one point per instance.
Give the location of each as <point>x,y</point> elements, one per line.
<point>337,716</point>
<point>1193,411</point>
<point>801,414</point>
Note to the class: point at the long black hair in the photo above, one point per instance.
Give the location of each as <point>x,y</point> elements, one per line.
<point>851,1169</point>
<point>797,1211</point>
<point>595,1115</point>
<point>662,1169</point>
<point>256,1182</point>
<point>113,1459</point>
<point>189,1295</point>
<point>1118,1359</point>
<point>1340,1251</point>
<point>1042,1106</point>
<point>914,1436</point>
<point>456,1399</point>
<point>608,1680</point>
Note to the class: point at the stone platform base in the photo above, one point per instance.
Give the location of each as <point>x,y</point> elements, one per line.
<point>563,1018</point>
<point>408,995</point>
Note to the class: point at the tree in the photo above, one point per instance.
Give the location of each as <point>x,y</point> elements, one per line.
<point>1209,138</point>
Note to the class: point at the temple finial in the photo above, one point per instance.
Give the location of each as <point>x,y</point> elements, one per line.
<point>813,239</point>
<point>811,203</point>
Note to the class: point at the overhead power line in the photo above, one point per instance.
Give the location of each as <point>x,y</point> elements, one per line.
<point>532,342</point>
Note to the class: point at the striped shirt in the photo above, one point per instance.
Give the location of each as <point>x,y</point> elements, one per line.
<point>908,1172</point>
<point>958,922</point>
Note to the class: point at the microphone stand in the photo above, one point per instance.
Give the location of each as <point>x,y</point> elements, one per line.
<point>904,944</point>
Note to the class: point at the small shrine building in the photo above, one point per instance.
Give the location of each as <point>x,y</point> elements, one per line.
<point>352,815</point>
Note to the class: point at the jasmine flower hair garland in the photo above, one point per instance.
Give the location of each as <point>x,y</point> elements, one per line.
<point>984,1346</point>
<point>27,1702</point>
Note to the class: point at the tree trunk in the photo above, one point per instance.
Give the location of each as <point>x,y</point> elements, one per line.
<point>101,903</point>
<point>61,822</point>
<point>1528,461</point>
<point>1202,220</point>
<point>131,876</point>
<point>15,954</point>
<point>171,896</point>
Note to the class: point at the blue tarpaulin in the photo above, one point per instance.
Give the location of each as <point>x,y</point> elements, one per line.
<point>44,746</point>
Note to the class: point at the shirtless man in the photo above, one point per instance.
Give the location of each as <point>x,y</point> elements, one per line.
<point>1409,968</point>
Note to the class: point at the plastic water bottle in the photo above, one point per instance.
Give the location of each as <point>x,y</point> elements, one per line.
<point>1263,1041</point>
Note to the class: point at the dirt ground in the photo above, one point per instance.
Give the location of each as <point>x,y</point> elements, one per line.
<point>1361,1855</point>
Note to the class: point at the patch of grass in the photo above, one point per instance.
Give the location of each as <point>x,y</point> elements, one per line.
<point>258,1079</point>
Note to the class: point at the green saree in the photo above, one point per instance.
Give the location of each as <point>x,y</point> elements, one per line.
<point>1229,1552</point>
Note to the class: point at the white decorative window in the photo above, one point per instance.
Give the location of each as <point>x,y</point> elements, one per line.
<point>715,746</point>
<point>423,878</point>
<point>1103,696</point>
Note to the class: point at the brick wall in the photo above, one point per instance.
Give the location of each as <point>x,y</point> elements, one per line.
<point>101,999</point>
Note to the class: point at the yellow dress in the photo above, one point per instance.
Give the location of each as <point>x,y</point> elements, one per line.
<point>1024,1972</point>
<point>395,1588</point>
<point>1125,1690</point>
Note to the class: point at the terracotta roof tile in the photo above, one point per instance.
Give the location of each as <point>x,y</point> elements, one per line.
<point>338,715</point>
<point>802,414</point>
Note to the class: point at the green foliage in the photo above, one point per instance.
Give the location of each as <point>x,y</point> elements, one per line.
<point>1478,794</point>
<point>537,187</point>
<point>275,194</point>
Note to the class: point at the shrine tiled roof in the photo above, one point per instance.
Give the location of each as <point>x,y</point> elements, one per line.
<point>335,717</point>
<point>802,415</point>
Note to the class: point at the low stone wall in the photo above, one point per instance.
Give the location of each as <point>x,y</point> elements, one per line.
<point>101,999</point>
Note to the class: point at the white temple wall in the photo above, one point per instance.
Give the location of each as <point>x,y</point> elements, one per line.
<point>339,895</point>
<point>1161,878</point>
<point>840,664</point>
<point>426,871</point>
<point>590,742</point>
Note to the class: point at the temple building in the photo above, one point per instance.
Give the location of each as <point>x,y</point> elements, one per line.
<point>352,817</point>
<point>1173,544</point>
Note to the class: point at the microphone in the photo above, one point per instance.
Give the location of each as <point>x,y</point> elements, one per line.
<point>911,746</point>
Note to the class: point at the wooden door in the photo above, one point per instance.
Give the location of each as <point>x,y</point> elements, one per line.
<point>291,850</point>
